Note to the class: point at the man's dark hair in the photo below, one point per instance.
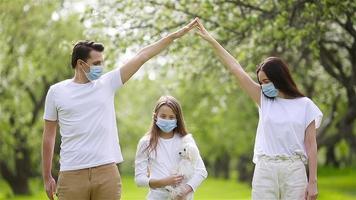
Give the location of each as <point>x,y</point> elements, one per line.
<point>82,49</point>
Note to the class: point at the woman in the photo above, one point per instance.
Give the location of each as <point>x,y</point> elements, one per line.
<point>286,133</point>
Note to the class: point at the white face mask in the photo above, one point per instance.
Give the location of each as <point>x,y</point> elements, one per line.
<point>166,125</point>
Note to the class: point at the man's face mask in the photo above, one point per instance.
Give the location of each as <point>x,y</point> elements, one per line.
<point>94,73</point>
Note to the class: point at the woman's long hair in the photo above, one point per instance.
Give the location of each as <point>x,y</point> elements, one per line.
<point>278,73</point>
<point>154,131</point>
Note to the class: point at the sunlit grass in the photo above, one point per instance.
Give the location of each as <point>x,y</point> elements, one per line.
<point>333,185</point>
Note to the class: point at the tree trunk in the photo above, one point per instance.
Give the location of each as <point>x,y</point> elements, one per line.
<point>221,166</point>
<point>330,157</point>
<point>245,169</point>
<point>18,177</point>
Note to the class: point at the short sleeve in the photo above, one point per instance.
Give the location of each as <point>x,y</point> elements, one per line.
<point>50,110</point>
<point>313,113</point>
<point>113,79</point>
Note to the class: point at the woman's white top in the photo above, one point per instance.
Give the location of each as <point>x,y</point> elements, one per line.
<point>163,164</point>
<point>282,125</point>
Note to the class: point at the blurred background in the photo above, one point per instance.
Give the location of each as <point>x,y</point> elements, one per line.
<point>316,38</point>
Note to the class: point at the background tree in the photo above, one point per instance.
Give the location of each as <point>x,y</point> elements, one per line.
<point>36,39</point>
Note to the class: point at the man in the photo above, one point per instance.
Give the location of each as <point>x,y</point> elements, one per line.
<point>83,107</point>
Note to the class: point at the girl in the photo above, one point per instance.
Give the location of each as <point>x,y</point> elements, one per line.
<point>157,153</point>
<point>286,132</point>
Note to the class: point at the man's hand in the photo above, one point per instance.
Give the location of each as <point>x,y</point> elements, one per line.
<point>50,186</point>
<point>185,29</point>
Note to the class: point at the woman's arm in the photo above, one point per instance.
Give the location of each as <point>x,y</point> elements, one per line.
<point>248,85</point>
<point>311,148</point>
<point>134,64</point>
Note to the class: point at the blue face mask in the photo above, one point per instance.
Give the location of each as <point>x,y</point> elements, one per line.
<point>269,90</point>
<point>94,73</point>
<point>166,125</point>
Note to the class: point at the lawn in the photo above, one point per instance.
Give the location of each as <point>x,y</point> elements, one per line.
<point>333,185</point>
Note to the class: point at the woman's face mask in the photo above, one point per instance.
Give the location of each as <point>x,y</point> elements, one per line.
<point>269,90</point>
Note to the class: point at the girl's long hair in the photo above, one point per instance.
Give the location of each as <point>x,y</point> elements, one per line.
<point>154,131</point>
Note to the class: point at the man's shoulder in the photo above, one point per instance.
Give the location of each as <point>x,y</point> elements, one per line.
<point>61,84</point>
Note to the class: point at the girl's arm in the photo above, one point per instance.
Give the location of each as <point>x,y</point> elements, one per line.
<point>311,148</point>
<point>134,64</point>
<point>248,85</point>
<point>141,170</point>
<point>171,180</point>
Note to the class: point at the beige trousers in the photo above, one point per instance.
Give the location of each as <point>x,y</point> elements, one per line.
<point>96,183</point>
<point>277,178</point>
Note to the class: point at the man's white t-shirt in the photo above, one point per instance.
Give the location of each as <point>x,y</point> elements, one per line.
<point>282,125</point>
<point>87,121</point>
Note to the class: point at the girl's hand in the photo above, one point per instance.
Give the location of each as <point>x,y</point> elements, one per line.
<point>202,32</point>
<point>185,29</point>
<point>172,180</point>
<point>180,198</point>
<point>311,192</point>
<point>184,191</point>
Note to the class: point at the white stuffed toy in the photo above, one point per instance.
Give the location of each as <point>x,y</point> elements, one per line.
<point>189,155</point>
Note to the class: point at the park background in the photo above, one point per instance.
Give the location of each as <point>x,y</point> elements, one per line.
<point>316,37</point>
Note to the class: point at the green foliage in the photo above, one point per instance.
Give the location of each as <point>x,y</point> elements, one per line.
<point>35,53</point>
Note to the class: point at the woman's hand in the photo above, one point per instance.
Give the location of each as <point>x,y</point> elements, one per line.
<point>185,29</point>
<point>202,32</point>
<point>311,192</point>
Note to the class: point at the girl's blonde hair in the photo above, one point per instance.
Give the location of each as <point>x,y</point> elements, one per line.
<point>154,131</point>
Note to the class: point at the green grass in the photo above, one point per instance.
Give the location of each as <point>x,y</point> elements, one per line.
<point>337,184</point>
<point>333,185</point>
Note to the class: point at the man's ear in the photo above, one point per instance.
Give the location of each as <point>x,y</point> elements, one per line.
<point>80,62</point>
